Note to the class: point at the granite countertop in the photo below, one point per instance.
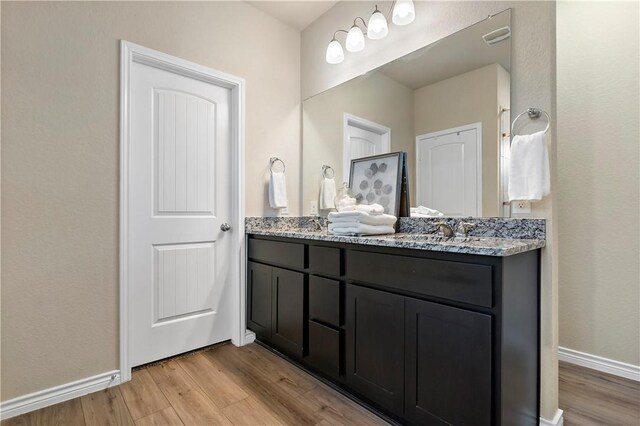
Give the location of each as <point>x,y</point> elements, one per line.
<point>486,246</point>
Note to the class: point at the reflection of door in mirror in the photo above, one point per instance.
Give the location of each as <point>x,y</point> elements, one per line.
<point>363,138</point>
<point>449,170</point>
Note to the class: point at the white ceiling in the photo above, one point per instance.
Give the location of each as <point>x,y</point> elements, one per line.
<point>459,53</point>
<point>297,13</point>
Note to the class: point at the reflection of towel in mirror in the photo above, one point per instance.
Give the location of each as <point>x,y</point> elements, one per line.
<point>277,190</point>
<point>529,168</point>
<point>359,229</point>
<point>355,217</point>
<point>366,208</point>
<point>422,211</point>
<point>327,194</point>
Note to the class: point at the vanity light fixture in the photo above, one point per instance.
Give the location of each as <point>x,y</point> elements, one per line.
<point>335,54</point>
<point>355,37</point>
<point>402,12</point>
<point>377,27</point>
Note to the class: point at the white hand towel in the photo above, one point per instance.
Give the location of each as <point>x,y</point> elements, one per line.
<point>529,168</point>
<point>422,211</point>
<point>366,208</point>
<point>277,190</point>
<point>346,218</point>
<point>327,194</point>
<point>360,229</point>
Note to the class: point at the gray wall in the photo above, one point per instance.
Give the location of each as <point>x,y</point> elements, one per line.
<point>60,161</point>
<point>598,178</point>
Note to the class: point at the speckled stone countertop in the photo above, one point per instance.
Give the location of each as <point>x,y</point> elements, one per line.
<point>491,237</point>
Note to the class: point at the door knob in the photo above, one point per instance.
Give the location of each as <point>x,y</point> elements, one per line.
<point>225,227</point>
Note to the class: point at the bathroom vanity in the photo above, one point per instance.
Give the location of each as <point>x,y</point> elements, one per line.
<point>425,330</point>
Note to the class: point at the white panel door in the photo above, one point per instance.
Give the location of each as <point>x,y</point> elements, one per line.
<point>449,171</point>
<point>363,138</point>
<point>179,197</point>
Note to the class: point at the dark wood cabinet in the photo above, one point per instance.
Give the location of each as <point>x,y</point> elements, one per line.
<point>423,337</point>
<point>287,311</point>
<point>275,306</point>
<point>375,345</point>
<point>447,365</point>
<point>259,299</point>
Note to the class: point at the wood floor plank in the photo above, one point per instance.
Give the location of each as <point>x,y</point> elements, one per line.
<point>336,409</point>
<point>105,407</point>
<point>166,417</point>
<point>250,412</point>
<point>590,397</point>
<point>288,409</point>
<point>279,371</point>
<point>27,419</point>
<point>186,397</point>
<point>142,396</point>
<point>67,413</point>
<point>214,382</point>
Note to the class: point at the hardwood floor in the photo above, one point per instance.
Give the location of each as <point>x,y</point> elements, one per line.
<point>252,386</point>
<point>223,385</point>
<point>589,397</point>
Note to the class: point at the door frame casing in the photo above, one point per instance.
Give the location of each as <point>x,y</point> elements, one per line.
<point>473,126</point>
<point>130,53</point>
<point>364,124</point>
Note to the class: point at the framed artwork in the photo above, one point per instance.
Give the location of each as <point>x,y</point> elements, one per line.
<point>381,179</point>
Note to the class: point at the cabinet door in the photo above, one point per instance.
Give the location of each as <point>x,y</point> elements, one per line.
<point>375,345</point>
<point>448,365</point>
<point>287,311</point>
<point>259,299</point>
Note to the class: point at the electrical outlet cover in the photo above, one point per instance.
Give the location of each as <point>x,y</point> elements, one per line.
<point>521,207</point>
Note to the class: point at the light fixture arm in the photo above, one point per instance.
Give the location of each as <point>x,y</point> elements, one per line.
<point>364,24</point>
<point>336,33</point>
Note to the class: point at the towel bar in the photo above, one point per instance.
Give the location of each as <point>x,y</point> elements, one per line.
<point>274,160</point>
<point>325,169</point>
<point>534,114</point>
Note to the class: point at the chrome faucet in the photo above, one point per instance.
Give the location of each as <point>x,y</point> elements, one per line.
<point>464,228</point>
<point>317,223</point>
<point>447,230</point>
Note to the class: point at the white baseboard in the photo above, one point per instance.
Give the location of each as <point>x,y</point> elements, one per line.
<point>617,368</point>
<point>24,404</point>
<point>557,420</point>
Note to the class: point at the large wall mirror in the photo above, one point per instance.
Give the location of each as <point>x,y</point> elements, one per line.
<point>447,105</point>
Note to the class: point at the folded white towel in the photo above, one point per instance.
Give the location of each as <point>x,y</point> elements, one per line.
<point>422,211</point>
<point>327,194</point>
<point>277,190</point>
<point>346,218</point>
<point>366,208</point>
<point>345,202</point>
<point>529,177</point>
<point>360,229</point>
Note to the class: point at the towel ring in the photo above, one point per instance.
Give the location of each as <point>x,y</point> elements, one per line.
<point>274,160</point>
<point>325,169</point>
<point>534,114</point>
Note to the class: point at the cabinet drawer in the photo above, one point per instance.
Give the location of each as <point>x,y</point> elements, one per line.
<point>324,349</point>
<point>324,300</point>
<point>325,261</point>
<point>463,282</point>
<point>277,252</point>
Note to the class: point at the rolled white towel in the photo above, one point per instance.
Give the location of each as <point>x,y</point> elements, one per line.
<point>366,208</point>
<point>361,217</point>
<point>360,229</point>
<point>422,211</point>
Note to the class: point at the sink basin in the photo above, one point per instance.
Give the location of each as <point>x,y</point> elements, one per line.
<point>430,238</point>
